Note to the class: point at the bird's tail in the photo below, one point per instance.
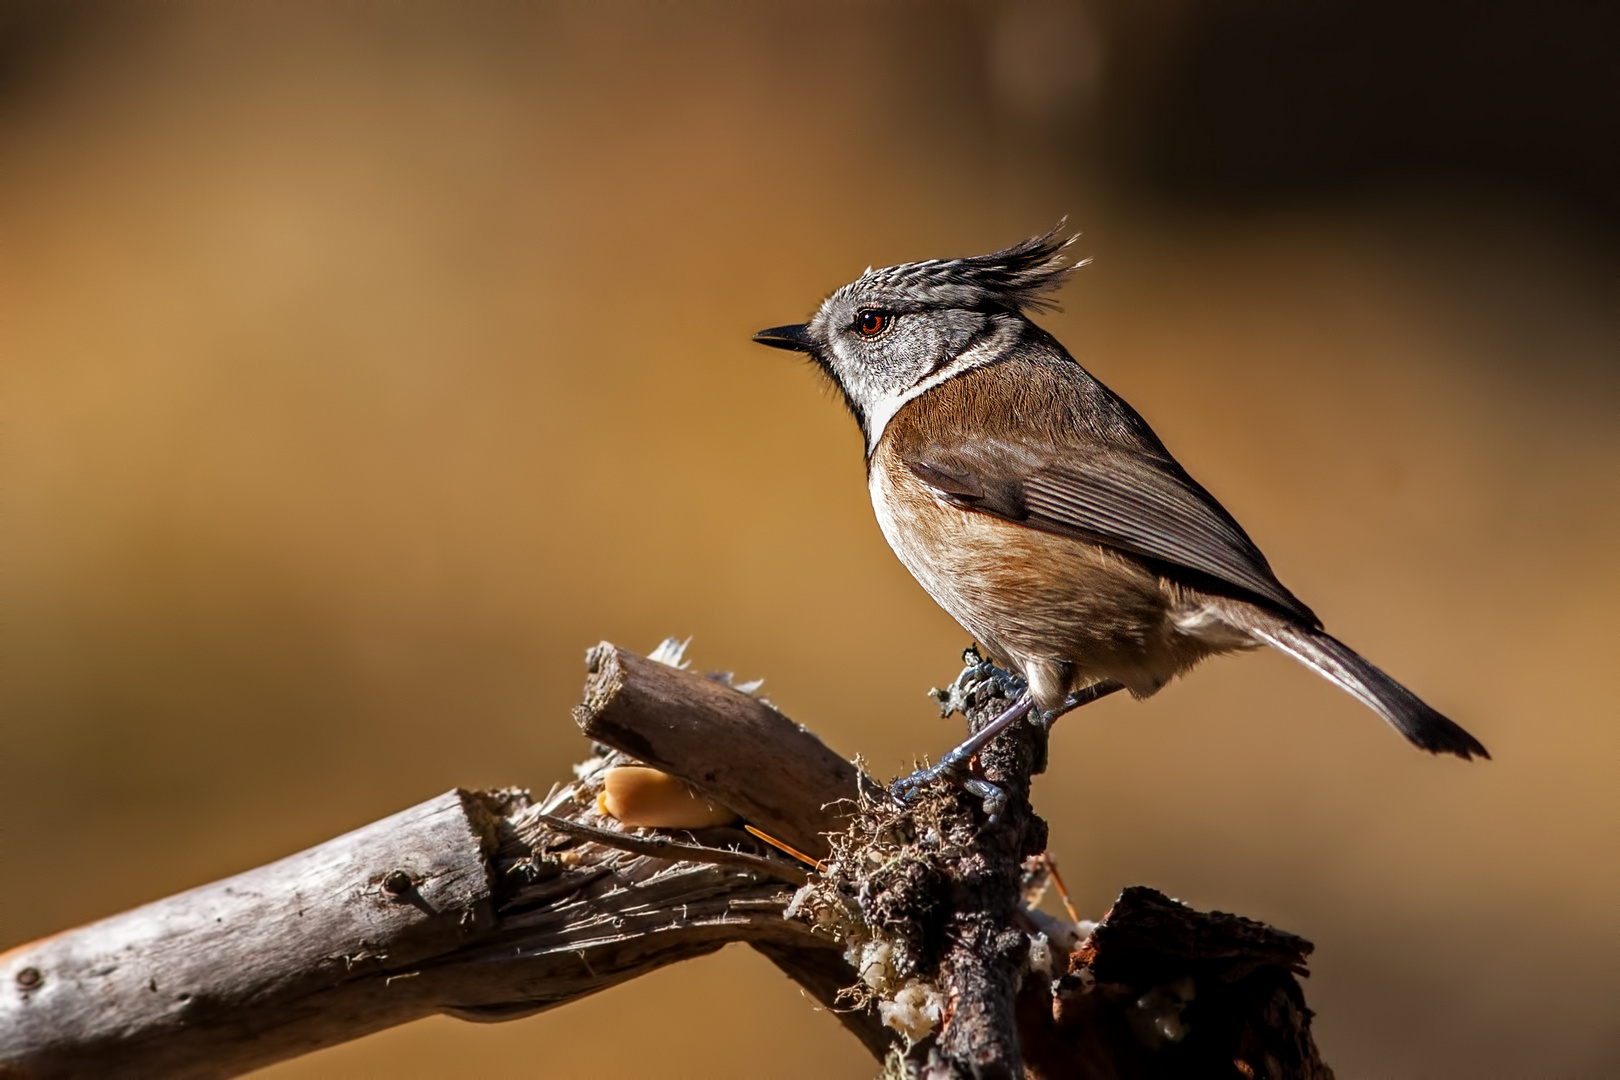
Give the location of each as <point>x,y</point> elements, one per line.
<point>1333,659</point>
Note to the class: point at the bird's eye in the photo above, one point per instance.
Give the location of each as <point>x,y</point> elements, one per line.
<point>871,322</point>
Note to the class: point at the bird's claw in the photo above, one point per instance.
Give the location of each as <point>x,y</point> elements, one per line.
<point>978,679</point>
<point>995,800</point>
<point>908,789</point>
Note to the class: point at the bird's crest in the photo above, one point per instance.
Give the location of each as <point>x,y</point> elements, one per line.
<point>1013,279</point>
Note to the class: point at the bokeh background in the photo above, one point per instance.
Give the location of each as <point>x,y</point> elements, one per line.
<point>366,362</point>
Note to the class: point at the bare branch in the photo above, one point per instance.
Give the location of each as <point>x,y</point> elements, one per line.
<point>476,904</point>
<point>489,906</point>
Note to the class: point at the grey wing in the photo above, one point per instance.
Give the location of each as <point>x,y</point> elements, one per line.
<point>1139,504</point>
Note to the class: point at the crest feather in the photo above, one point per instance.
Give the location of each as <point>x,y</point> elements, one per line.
<point>1012,279</point>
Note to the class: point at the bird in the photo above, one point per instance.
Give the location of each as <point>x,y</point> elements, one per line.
<point>1042,512</point>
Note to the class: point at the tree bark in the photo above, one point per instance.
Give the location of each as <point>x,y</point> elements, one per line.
<point>492,905</point>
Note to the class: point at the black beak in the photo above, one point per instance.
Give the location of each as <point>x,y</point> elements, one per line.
<point>796,338</point>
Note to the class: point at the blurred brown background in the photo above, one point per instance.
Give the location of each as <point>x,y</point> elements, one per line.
<point>366,362</point>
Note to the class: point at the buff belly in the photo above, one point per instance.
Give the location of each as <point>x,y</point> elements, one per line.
<point>1062,612</point>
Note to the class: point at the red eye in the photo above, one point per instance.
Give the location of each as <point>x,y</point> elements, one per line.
<point>871,323</point>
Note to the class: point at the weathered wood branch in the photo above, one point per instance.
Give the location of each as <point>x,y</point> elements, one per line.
<point>492,905</point>
<point>473,904</point>
<point>776,774</point>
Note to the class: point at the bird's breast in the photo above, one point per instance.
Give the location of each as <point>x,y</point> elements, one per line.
<point>1031,598</point>
<point>948,551</point>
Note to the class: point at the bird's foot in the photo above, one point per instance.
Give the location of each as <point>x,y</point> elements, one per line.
<point>995,799</point>
<point>1045,718</point>
<point>978,680</point>
<point>908,789</point>
<point>954,765</point>
<point>954,768</point>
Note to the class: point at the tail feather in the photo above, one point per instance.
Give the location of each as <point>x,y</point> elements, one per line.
<point>1333,659</point>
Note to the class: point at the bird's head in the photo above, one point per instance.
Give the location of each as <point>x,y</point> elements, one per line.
<point>894,333</point>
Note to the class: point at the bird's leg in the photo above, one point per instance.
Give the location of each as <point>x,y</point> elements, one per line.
<point>1080,697</point>
<point>954,764</point>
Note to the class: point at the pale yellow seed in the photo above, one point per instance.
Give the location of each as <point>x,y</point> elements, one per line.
<point>651,799</point>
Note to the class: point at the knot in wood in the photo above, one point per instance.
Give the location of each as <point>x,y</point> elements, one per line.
<point>398,882</point>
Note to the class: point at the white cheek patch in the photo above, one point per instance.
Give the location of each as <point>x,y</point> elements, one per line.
<point>883,410</point>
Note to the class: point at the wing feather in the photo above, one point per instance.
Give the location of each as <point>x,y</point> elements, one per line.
<point>1136,502</point>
